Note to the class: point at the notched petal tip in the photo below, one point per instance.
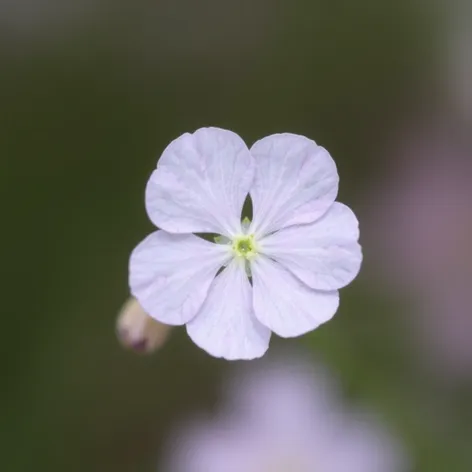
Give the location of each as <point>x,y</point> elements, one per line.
<point>286,305</point>
<point>226,327</point>
<point>325,255</point>
<point>137,331</point>
<point>201,182</point>
<point>296,181</point>
<point>170,274</point>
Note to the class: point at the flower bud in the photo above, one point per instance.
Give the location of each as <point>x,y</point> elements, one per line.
<point>137,331</point>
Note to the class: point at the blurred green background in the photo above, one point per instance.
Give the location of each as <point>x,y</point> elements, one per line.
<point>90,95</point>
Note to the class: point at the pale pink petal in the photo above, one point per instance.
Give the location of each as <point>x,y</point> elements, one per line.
<point>324,254</point>
<point>170,274</point>
<point>285,304</point>
<point>225,325</point>
<point>200,183</point>
<point>295,182</point>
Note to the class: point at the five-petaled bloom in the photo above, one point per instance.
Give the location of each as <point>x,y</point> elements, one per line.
<point>281,272</point>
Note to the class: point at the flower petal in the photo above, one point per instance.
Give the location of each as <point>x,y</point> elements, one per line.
<point>170,274</point>
<point>296,181</point>
<point>226,326</point>
<point>200,183</point>
<point>286,305</point>
<point>324,254</point>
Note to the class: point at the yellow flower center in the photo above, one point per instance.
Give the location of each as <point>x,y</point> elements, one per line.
<point>244,246</point>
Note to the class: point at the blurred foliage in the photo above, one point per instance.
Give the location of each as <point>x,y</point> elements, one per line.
<point>85,114</point>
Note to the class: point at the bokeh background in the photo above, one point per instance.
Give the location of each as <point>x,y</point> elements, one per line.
<point>91,92</point>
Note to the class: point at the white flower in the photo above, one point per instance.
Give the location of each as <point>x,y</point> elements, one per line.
<point>300,248</point>
<point>285,417</point>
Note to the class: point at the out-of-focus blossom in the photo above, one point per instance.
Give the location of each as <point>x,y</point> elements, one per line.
<point>286,416</point>
<point>424,224</point>
<point>281,272</point>
<point>136,330</point>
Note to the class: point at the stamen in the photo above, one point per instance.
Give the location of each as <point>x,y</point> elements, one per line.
<point>244,246</point>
